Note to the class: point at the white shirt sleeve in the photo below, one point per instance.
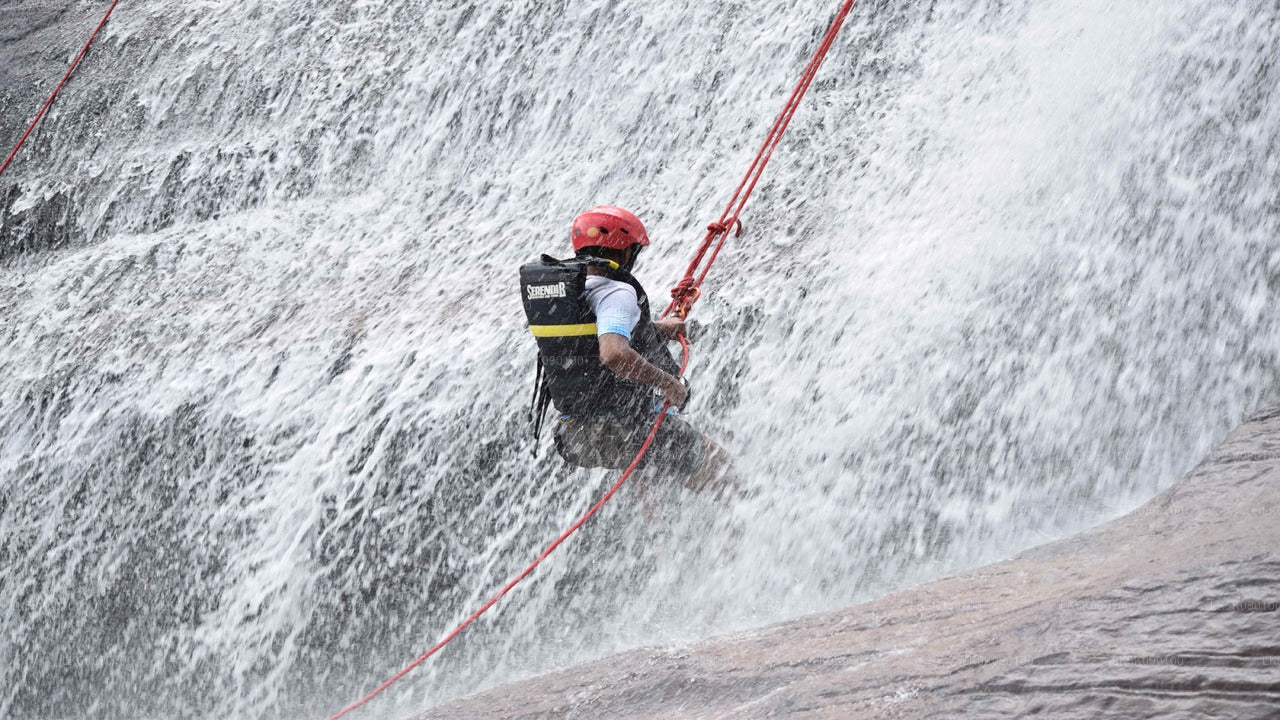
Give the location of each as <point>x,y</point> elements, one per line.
<point>615,305</point>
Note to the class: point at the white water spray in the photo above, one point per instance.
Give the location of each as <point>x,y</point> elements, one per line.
<point>262,433</point>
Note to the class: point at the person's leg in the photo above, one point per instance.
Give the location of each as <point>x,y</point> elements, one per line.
<point>715,475</point>
<point>695,460</point>
<point>592,442</point>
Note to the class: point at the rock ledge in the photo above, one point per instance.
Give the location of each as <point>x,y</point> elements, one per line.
<point>1172,611</point>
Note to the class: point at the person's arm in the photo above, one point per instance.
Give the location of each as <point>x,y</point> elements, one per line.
<point>626,363</point>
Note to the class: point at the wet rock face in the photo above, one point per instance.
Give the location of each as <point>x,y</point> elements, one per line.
<point>36,226</point>
<point>35,39</point>
<point>37,42</point>
<point>1172,611</point>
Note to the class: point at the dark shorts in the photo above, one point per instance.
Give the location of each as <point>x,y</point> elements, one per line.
<point>612,441</point>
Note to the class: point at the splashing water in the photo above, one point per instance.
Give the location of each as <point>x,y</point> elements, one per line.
<point>263,373</point>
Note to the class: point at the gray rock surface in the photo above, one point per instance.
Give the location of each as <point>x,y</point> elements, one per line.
<point>38,40</point>
<point>37,44</point>
<point>1172,611</point>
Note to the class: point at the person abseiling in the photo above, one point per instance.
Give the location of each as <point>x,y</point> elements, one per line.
<point>604,362</point>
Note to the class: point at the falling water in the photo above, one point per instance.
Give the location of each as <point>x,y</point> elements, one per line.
<point>263,373</point>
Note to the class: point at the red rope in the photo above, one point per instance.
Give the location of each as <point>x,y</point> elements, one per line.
<point>685,294</point>
<point>644,447</point>
<point>688,290</point>
<point>74,63</point>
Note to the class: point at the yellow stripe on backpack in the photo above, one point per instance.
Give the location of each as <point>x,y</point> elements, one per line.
<point>543,331</point>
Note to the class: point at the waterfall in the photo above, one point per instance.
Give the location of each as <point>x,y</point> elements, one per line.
<point>264,373</point>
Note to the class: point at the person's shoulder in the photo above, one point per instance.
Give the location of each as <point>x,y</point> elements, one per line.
<point>604,293</point>
<point>608,286</point>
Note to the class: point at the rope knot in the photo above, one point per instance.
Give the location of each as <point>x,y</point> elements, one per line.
<point>682,289</point>
<point>719,228</point>
<point>684,295</point>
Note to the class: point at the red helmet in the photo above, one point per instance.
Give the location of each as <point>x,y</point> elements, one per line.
<point>609,227</point>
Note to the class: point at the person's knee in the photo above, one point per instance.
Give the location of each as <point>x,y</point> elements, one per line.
<point>714,471</point>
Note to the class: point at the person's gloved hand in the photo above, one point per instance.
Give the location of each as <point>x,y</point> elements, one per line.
<point>672,327</point>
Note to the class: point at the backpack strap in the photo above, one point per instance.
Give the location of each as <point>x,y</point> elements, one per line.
<point>538,408</point>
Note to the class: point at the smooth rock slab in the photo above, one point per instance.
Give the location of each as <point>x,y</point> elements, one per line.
<point>1172,611</point>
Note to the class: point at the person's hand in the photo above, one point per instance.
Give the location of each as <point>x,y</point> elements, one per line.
<point>674,391</point>
<point>672,327</point>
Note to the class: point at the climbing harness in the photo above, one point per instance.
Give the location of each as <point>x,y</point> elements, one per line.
<point>683,296</point>
<point>45,108</point>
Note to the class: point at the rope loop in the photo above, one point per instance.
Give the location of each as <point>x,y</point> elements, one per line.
<point>686,303</point>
